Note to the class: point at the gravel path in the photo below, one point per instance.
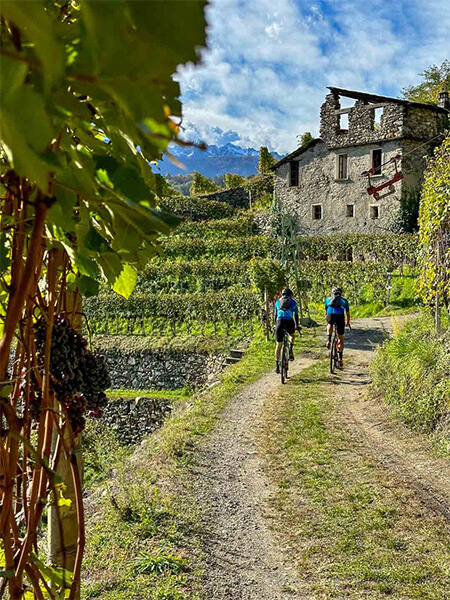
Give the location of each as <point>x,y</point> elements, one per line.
<point>241,556</point>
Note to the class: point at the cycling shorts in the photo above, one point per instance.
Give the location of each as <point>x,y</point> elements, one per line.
<point>339,320</point>
<point>283,325</point>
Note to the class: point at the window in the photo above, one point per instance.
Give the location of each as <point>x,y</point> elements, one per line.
<point>316,212</point>
<point>293,173</point>
<point>377,116</point>
<point>374,212</point>
<point>376,161</point>
<point>343,122</point>
<point>350,210</point>
<point>342,166</point>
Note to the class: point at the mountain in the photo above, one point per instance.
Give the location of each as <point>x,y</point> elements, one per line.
<point>216,160</point>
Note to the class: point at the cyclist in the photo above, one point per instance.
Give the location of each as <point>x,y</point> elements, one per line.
<point>336,308</point>
<point>286,319</point>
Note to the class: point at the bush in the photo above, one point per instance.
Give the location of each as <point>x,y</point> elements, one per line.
<point>243,248</point>
<point>412,371</point>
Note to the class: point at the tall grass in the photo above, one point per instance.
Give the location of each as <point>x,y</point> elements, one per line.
<point>412,371</point>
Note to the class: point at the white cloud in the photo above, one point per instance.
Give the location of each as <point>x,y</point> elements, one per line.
<point>265,73</point>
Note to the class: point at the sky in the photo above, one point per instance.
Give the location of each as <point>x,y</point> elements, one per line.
<point>265,72</point>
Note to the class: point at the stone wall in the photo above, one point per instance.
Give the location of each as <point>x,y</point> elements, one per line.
<point>361,128</point>
<point>131,419</point>
<point>398,121</point>
<point>318,185</point>
<point>158,369</point>
<point>237,197</point>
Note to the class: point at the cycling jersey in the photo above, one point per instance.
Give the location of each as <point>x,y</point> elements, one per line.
<point>338,310</point>
<point>280,315</point>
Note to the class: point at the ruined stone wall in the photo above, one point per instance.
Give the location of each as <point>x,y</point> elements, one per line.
<point>361,128</point>
<point>422,124</point>
<point>318,185</point>
<point>397,121</point>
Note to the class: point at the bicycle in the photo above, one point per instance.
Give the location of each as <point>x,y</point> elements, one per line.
<point>334,350</point>
<point>284,358</point>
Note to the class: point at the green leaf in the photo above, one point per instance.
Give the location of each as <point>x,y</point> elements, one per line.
<point>87,286</point>
<point>94,241</point>
<point>33,19</point>
<point>126,281</point>
<point>56,575</point>
<point>7,574</point>
<point>62,212</point>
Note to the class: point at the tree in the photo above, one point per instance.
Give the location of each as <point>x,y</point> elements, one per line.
<point>306,139</point>
<point>266,161</point>
<point>87,100</point>
<point>233,181</point>
<point>435,79</point>
<point>202,185</point>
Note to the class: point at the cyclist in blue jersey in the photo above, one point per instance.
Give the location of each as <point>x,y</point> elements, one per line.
<point>336,311</point>
<point>286,319</point>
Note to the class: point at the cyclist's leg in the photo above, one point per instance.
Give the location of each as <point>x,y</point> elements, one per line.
<point>290,328</point>
<point>279,336</point>
<point>329,330</point>
<point>341,331</point>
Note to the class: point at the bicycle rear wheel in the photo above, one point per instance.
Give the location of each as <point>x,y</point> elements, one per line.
<point>284,363</point>
<point>334,356</point>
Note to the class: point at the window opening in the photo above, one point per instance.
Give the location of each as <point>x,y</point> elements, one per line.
<point>350,210</point>
<point>294,173</point>
<point>343,123</point>
<point>342,166</point>
<point>374,212</point>
<point>317,212</point>
<point>377,116</point>
<point>376,161</point>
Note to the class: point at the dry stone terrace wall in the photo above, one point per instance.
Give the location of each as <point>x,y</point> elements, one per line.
<point>162,370</point>
<point>132,419</point>
<point>236,197</point>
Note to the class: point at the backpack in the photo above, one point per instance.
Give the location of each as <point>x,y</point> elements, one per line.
<point>335,301</point>
<point>285,303</point>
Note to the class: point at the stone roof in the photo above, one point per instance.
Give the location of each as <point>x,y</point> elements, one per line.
<point>297,152</point>
<point>378,99</point>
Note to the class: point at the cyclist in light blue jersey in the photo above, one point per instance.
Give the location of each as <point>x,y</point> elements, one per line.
<point>286,319</point>
<point>336,308</point>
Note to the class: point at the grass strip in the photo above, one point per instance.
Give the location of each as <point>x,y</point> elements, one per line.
<point>353,529</point>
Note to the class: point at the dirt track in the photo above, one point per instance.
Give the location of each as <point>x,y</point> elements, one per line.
<point>242,558</point>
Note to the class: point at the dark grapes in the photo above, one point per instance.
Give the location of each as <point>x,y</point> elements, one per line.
<point>78,376</point>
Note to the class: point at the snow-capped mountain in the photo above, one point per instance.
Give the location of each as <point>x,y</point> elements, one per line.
<point>216,160</point>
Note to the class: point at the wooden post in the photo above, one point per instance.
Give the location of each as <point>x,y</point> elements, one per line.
<point>63,551</point>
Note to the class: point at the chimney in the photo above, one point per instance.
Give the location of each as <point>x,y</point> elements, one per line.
<point>444,100</point>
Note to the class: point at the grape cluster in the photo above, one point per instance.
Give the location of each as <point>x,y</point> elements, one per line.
<point>78,376</point>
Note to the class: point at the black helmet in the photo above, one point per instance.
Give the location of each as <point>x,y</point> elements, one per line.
<point>287,292</point>
<point>336,291</point>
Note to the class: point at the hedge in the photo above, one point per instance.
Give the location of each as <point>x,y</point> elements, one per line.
<point>395,249</point>
<point>145,313</point>
<point>243,248</point>
<point>221,228</point>
<point>197,209</point>
<point>188,276</point>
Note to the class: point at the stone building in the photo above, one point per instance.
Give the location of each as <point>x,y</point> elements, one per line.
<point>322,184</point>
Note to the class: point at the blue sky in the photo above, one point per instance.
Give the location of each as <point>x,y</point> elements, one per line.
<point>264,75</point>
